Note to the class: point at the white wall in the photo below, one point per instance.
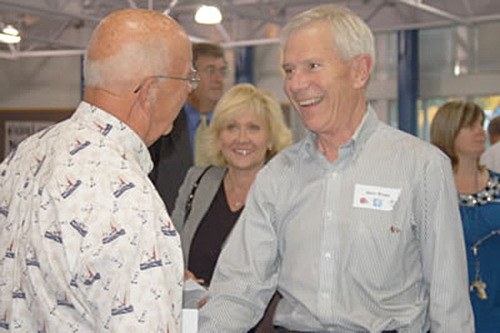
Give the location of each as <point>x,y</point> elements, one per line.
<point>268,76</point>
<point>40,83</point>
<point>47,83</point>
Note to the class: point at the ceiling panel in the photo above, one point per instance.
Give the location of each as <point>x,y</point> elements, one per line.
<point>61,27</point>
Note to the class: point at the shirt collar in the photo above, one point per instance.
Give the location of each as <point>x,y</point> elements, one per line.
<point>366,127</point>
<point>114,129</point>
<point>362,133</point>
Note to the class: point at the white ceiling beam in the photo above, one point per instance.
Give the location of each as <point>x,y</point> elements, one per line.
<point>251,42</point>
<point>468,7</point>
<point>225,35</point>
<point>41,11</point>
<point>170,7</point>
<point>249,13</point>
<point>36,54</point>
<point>60,53</point>
<point>374,12</point>
<point>485,18</point>
<point>12,48</point>
<point>52,41</point>
<point>132,4</point>
<point>432,10</point>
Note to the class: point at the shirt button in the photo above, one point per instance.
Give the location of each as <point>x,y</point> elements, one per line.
<point>329,215</point>
<point>328,255</point>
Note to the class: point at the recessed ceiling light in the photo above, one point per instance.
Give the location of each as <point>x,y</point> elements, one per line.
<point>10,30</point>
<point>208,15</point>
<point>9,35</point>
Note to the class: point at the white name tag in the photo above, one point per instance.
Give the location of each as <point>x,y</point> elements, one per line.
<point>375,197</point>
<point>189,321</point>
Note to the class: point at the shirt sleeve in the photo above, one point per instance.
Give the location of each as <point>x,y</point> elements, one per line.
<point>246,274</point>
<point>443,249</point>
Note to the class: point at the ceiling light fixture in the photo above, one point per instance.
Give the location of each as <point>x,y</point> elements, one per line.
<point>9,35</point>
<point>208,15</point>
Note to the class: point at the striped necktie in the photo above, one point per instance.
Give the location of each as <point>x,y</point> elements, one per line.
<point>200,156</point>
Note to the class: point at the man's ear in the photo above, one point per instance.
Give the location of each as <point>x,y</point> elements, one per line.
<point>361,69</point>
<point>142,115</point>
<point>147,95</point>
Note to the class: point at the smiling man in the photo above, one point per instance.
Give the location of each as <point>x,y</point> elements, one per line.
<point>357,225</point>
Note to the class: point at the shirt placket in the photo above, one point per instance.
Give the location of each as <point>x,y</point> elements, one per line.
<point>330,255</point>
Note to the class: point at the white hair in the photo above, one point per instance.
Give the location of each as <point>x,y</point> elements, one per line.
<point>133,60</point>
<point>352,36</point>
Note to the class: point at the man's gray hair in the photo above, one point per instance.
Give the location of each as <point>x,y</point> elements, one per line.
<point>352,36</point>
<point>133,61</point>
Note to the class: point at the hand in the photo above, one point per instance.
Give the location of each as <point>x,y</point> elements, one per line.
<point>202,302</point>
<point>188,275</point>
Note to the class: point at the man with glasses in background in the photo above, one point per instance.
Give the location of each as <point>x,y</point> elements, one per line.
<point>173,154</point>
<point>85,241</point>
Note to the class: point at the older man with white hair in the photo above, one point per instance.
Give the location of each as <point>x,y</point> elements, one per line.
<point>86,243</point>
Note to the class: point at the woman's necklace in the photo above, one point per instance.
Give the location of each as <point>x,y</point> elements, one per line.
<point>236,198</point>
<point>478,284</point>
<point>237,204</point>
<point>484,196</point>
<point>481,197</point>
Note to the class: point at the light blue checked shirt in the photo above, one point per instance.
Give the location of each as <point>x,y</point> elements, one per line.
<point>370,242</point>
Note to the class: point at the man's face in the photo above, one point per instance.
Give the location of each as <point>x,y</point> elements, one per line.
<point>212,73</point>
<point>318,82</point>
<point>172,93</point>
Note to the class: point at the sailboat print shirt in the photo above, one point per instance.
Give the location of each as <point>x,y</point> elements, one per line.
<point>86,244</point>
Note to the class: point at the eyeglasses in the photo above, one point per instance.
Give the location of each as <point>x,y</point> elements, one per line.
<point>211,71</point>
<point>193,80</point>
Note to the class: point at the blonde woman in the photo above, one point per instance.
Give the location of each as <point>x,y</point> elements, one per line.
<point>247,129</point>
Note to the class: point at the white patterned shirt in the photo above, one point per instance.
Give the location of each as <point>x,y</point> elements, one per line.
<point>370,242</point>
<point>491,157</point>
<point>86,244</point>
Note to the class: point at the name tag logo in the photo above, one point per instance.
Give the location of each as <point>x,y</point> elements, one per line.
<point>375,197</point>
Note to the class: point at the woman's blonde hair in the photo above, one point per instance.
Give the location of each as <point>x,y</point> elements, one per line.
<point>242,98</point>
<point>450,118</point>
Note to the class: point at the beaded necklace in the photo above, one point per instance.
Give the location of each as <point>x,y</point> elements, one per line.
<point>478,284</point>
<point>484,196</point>
<point>489,194</point>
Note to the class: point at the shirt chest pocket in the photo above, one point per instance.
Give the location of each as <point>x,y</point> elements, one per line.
<point>382,244</point>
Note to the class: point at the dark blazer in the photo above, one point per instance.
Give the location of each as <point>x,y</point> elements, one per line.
<point>172,157</point>
<point>203,197</point>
